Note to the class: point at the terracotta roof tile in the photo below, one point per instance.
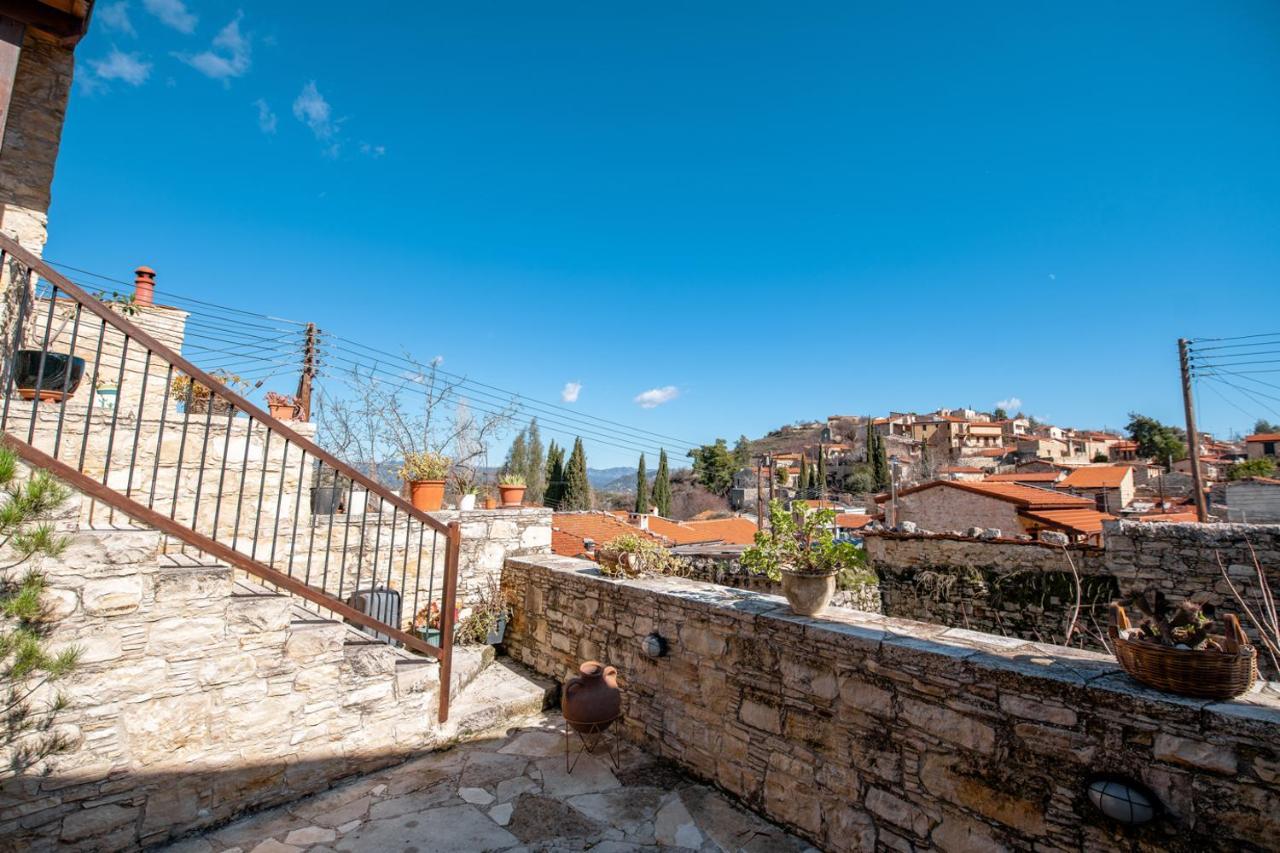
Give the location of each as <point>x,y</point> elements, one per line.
<point>601,527</point>
<point>735,531</point>
<point>1264,436</point>
<point>1025,477</point>
<point>1096,477</point>
<point>1084,521</point>
<point>1028,497</point>
<point>853,519</point>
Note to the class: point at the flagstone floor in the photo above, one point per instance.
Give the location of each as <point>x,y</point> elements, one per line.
<point>508,793</point>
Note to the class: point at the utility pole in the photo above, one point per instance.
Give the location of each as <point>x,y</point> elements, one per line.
<point>759,495</point>
<point>1193,436</point>
<point>308,372</point>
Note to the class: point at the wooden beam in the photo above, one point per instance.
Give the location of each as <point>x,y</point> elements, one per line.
<point>66,27</point>
<point>11,33</point>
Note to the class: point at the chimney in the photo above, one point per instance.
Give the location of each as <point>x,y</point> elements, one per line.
<point>144,286</point>
<point>589,546</point>
<point>640,520</point>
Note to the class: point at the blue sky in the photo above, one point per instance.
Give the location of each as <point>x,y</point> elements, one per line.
<point>765,212</point>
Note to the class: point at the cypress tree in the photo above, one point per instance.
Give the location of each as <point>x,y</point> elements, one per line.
<point>535,477</point>
<point>805,483</point>
<point>821,483</point>
<point>662,486</point>
<point>642,488</point>
<point>553,491</point>
<point>517,458</point>
<point>577,490</point>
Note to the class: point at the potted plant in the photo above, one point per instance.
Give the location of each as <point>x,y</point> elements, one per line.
<point>632,556</point>
<point>197,399</point>
<point>425,472</point>
<point>53,379</point>
<point>485,622</point>
<point>512,487</point>
<point>427,623</point>
<point>490,500</point>
<point>107,393</point>
<point>1184,649</point>
<point>467,497</point>
<point>283,407</point>
<point>800,550</point>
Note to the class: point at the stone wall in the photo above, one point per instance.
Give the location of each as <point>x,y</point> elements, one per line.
<point>866,732</point>
<point>946,508</point>
<point>724,566</point>
<point>1010,587</point>
<point>1025,589</point>
<point>193,702</point>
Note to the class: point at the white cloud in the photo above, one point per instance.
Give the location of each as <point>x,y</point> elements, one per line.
<point>125,67</point>
<point>115,16</point>
<point>374,151</point>
<point>1012,404</point>
<point>655,397</point>
<point>172,13</point>
<point>569,393</point>
<point>314,111</point>
<point>228,56</point>
<point>266,117</point>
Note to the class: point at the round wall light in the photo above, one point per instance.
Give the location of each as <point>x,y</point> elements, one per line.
<point>1123,800</point>
<point>654,645</point>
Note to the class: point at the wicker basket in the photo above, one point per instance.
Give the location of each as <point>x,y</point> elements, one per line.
<point>1204,674</point>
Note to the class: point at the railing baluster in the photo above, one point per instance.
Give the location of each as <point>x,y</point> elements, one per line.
<point>182,448</point>
<point>346,537</point>
<point>137,427</point>
<point>244,472</point>
<point>324,579</point>
<point>204,449</point>
<point>164,418</point>
<point>222,471</point>
<point>44,354</point>
<point>275,528</point>
<point>297,513</point>
<point>115,413</point>
<point>391,549</point>
<point>88,411</point>
<point>404,568</point>
<point>12,368</point>
<point>364,516</point>
<point>66,382</point>
<point>262,490</point>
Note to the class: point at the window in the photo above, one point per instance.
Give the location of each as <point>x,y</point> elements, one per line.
<point>1268,448</point>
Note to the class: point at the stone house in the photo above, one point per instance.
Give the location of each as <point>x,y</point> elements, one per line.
<point>1255,500</point>
<point>946,505</point>
<point>1110,486</point>
<point>1263,445</point>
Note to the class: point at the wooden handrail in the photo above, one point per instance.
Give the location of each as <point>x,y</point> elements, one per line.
<point>138,512</point>
<point>95,306</point>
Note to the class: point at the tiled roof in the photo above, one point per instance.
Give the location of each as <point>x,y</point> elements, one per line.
<point>1096,477</point>
<point>677,531</point>
<point>570,529</point>
<point>853,519</point>
<point>1125,445</point>
<point>1264,436</point>
<point>960,469</point>
<point>1027,497</point>
<point>735,531</point>
<point>1169,516</point>
<point>993,452</point>
<point>1085,521</point>
<point>1025,477</point>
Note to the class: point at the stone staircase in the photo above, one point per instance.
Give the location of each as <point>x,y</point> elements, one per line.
<point>217,695</point>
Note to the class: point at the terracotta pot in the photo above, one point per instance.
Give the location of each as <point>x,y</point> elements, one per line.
<point>283,411</point>
<point>511,495</point>
<point>591,698</point>
<point>490,502</point>
<point>808,594</point>
<point>427,495</point>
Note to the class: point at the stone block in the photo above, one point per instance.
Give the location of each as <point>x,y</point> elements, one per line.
<point>1215,757</point>
<point>112,596</point>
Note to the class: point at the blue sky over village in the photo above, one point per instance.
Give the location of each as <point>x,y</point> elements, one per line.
<point>706,221</point>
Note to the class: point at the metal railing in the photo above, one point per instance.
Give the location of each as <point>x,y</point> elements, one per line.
<point>117,413</point>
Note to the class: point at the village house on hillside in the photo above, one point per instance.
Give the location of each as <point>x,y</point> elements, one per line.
<point>1011,508</point>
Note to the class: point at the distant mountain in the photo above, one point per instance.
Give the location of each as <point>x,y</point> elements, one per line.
<point>621,479</point>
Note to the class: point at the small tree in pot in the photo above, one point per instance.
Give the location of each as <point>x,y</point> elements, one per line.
<point>800,550</point>
<point>425,472</point>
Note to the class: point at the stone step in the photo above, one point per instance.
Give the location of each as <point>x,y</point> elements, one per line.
<point>503,692</point>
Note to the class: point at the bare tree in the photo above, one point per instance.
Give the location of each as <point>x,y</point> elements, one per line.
<point>379,419</point>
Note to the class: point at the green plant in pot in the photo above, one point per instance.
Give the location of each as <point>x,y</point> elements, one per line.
<point>800,550</point>
<point>633,556</point>
<point>512,487</point>
<point>485,621</point>
<point>425,472</point>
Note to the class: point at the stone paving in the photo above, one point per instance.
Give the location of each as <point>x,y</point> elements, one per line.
<point>508,792</point>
